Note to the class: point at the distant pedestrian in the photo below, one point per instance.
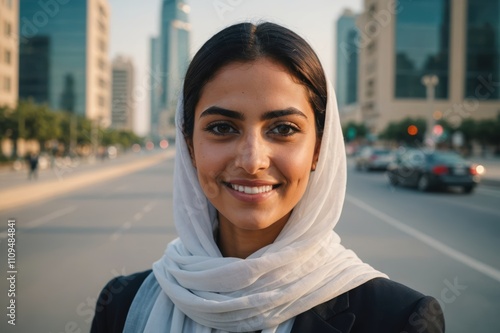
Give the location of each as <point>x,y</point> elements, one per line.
<point>33,166</point>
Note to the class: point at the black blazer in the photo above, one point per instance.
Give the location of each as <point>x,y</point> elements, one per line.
<point>378,306</point>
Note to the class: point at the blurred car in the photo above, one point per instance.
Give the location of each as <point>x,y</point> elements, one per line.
<point>372,158</point>
<point>427,170</point>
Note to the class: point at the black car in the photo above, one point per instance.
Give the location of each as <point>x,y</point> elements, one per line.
<point>428,170</point>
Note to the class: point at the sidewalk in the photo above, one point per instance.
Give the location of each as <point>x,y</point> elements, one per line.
<point>16,190</point>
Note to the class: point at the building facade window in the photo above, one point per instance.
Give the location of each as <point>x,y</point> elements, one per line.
<point>8,29</point>
<point>483,50</point>
<point>422,47</point>
<point>7,84</point>
<point>8,57</point>
<point>101,101</point>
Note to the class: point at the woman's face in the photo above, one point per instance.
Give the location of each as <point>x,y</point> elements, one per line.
<point>254,143</point>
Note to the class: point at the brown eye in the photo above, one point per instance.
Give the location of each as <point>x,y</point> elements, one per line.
<point>220,129</point>
<point>285,130</point>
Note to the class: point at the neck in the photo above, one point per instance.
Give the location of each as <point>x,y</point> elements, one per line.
<point>241,243</point>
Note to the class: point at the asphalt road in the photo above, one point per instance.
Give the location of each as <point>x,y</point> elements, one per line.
<point>443,244</point>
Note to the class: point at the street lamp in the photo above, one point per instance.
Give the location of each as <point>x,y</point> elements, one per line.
<point>430,82</point>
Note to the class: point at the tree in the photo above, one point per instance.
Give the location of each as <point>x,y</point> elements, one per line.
<point>353,131</point>
<point>468,129</point>
<point>8,123</point>
<point>408,131</point>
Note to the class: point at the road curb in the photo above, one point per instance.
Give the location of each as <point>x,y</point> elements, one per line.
<point>26,194</point>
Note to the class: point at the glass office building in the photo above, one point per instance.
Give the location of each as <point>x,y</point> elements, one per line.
<point>402,41</point>
<point>64,55</point>
<point>155,81</point>
<point>174,46</point>
<point>483,50</point>
<point>169,61</point>
<point>422,46</point>
<point>346,86</point>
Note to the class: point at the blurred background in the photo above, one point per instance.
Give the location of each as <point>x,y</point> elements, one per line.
<point>88,90</point>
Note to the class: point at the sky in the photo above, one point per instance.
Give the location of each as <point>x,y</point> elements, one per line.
<point>133,23</point>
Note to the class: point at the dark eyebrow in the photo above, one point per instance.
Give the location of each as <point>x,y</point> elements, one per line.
<point>281,113</point>
<point>215,110</point>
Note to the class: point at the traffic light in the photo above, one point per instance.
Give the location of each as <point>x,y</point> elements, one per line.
<point>412,130</point>
<point>438,130</point>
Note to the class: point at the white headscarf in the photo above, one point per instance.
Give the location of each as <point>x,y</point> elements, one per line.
<point>201,291</point>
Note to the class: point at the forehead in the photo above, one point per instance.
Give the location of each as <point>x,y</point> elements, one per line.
<point>263,84</point>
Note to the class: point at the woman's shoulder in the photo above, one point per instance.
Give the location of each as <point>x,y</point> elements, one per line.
<point>114,302</point>
<point>379,305</point>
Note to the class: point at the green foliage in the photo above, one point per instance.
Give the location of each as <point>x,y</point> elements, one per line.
<point>32,121</point>
<point>485,131</point>
<point>8,123</point>
<point>353,131</point>
<point>468,129</point>
<point>398,131</point>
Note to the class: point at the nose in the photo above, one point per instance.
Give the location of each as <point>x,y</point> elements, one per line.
<point>252,153</point>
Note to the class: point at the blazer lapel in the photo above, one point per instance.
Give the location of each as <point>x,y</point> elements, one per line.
<point>329,317</point>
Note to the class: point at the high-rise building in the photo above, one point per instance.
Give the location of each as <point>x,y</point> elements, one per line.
<point>174,59</point>
<point>347,59</point>
<point>9,52</point>
<point>123,104</point>
<point>155,83</point>
<point>400,43</point>
<point>64,56</point>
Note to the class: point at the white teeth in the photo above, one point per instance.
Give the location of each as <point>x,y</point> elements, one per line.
<point>253,189</point>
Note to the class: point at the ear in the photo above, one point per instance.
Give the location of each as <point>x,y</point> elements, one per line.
<point>189,143</point>
<point>316,154</point>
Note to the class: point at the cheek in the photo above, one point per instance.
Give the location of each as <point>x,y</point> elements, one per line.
<point>209,185</point>
<point>209,167</point>
<point>296,164</point>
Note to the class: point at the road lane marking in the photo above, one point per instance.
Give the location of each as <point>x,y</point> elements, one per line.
<point>149,206</point>
<point>127,225</point>
<point>44,219</point>
<point>470,206</point>
<point>437,245</point>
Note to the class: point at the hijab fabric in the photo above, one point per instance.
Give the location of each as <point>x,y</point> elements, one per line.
<point>202,291</point>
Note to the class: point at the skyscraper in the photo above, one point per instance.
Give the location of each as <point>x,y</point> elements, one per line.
<point>155,83</point>
<point>347,59</point>
<point>123,104</point>
<point>9,50</point>
<point>457,41</point>
<point>64,57</point>
<point>173,60</point>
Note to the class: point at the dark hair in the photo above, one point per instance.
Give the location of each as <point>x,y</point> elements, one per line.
<point>245,42</point>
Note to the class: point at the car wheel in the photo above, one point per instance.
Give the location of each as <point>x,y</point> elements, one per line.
<point>393,179</point>
<point>423,183</point>
<point>468,189</point>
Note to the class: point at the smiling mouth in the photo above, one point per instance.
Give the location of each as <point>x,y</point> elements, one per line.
<point>252,189</point>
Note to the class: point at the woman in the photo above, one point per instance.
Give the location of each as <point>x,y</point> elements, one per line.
<point>260,176</point>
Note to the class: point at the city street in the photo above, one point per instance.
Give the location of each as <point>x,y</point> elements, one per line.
<point>444,244</point>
